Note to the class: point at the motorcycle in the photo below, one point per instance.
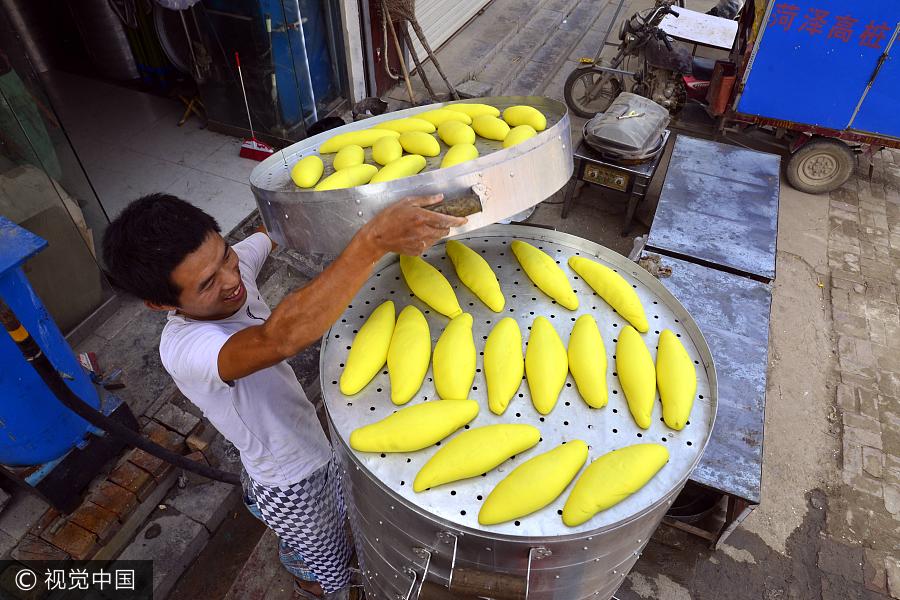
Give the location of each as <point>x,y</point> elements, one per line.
<point>666,73</point>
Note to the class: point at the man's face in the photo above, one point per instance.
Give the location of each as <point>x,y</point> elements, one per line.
<point>210,281</point>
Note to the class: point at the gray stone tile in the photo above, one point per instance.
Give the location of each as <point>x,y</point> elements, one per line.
<point>556,50</point>
<point>172,542</point>
<point>529,80</point>
<point>873,460</point>
<point>22,511</point>
<point>7,543</point>
<point>207,503</point>
<point>227,162</point>
<point>129,309</point>
<point>229,201</point>
<point>892,569</point>
<point>176,419</point>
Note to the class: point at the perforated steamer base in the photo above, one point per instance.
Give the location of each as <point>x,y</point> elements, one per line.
<point>602,429</point>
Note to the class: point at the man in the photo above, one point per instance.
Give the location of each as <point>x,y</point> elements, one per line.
<point>226,351</point>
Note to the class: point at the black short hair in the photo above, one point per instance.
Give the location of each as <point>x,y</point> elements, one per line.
<point>144,244</point>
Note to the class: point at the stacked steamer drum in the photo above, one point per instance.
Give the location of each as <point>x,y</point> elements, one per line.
<point>405,536</point>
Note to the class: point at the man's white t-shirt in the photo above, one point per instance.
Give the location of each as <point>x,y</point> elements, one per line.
<point>266,415</point>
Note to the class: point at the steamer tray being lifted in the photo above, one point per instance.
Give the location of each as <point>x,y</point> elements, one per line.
<point>510,181</point>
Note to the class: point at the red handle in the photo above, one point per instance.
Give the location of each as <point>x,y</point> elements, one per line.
<point>237,60</point>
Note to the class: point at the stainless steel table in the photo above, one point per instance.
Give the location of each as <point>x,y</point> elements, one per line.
<point>719,207</point>
<point>733,314</point>
<point>716,228</point>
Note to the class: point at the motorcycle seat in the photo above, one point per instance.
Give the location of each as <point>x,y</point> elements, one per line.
<point>702,68</point>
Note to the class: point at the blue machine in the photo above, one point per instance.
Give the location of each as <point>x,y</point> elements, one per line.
<point>34,426</point>
<point>303,64</point>
<point>290,52</point>
<point>832,64</point>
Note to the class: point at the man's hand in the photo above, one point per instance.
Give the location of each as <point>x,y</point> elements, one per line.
<point>408,228</point>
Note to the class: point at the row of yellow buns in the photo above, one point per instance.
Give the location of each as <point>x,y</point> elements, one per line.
<point>456,125</point>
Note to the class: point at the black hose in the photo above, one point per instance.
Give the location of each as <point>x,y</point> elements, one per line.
<point>54,381</point>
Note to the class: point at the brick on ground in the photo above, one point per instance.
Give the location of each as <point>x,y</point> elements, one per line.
<point>201,437</point>
<point>164,437</point>
<point>21,513</point>
<point>46,522</point>
<point>134,479</point>
<point>33,548</point>
<point>892,498</point>
<point>75,541</point>
<point>198,457</point>
<point>846,398</point>
<point>862,430</point>
<point>150,463</point>
<point>194,479</point>
<point>99,521</point>
<point>176,419</point>
<point>114,498</point>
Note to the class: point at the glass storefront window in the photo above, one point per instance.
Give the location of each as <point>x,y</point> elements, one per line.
<point>44,189</point>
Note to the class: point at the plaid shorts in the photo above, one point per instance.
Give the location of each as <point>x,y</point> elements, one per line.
<point>308,518</point>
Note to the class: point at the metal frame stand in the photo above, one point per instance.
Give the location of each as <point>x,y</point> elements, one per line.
<point>633,180</point>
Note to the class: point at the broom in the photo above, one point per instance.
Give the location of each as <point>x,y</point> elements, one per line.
<point>251,148</point>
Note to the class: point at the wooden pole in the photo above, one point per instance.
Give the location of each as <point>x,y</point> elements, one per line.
<point>404,30</point>
<point>421,35</point>
<point>387,15</point>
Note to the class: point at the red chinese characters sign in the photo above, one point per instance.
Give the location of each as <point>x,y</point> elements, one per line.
<point>841,28</point>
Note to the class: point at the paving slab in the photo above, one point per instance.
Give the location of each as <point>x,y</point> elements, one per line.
<point>172,542</point>
<point>22,511</point>
<point>207,503</point>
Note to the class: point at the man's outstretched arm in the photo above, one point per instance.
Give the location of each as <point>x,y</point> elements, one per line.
<point>304,315</point>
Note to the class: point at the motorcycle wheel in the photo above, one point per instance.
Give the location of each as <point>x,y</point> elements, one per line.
<point>583,80</point>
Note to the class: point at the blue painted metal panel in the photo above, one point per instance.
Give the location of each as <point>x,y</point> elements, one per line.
<point>880,112</point>
<point>815,58</point>
<point>34,426</point>
<point>17,245</point>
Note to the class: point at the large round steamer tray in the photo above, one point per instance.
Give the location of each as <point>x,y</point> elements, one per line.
<point>602,429</point>
<point>510,180</point>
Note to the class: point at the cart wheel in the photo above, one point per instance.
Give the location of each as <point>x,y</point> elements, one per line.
<point>588,91</point>
<point>820,166</point>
